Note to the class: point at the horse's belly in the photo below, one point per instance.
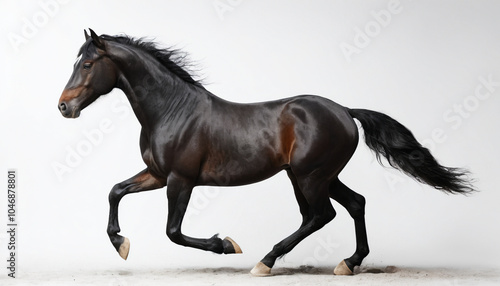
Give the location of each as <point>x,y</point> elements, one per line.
<point>238,172</point>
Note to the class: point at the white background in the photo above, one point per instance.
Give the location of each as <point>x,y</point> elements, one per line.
<point>420,66</point>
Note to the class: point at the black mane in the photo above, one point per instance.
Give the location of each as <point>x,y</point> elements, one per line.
<point>173,59</point>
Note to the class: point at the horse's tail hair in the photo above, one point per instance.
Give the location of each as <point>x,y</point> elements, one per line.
<point>389,138</point>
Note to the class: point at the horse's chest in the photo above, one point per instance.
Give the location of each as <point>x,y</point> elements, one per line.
<point>156,156</point>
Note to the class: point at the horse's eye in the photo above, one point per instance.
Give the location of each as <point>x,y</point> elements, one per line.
<point>87,66</point>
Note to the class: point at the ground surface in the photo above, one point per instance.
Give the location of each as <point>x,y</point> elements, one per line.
<point>282,276</point>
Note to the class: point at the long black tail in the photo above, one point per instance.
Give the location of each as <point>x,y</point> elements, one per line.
<point>397,144</point>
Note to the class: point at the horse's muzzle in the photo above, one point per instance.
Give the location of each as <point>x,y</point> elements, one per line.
<point>68,112</point>
<point>67,106</point>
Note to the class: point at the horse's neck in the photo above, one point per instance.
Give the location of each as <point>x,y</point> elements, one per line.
<point>156,95</point>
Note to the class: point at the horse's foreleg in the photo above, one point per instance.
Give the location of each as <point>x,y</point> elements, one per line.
<point>355,205</point>
<point>143,181</point>
<point>178,195</point>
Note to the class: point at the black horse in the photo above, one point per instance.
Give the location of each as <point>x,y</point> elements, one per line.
<point>191,137</point>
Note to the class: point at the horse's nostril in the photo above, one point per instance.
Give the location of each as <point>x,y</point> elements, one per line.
<point>62,106</point>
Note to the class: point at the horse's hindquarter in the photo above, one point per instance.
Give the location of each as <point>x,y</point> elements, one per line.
<point>325,136</point>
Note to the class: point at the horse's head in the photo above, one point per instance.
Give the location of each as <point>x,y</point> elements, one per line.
<point>94,74</point>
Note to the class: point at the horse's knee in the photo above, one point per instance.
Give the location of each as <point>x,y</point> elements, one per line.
<point>174,234</point>
<point>116,193</point>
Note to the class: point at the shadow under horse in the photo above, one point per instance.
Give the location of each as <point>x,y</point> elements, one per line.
<point>190,137</point>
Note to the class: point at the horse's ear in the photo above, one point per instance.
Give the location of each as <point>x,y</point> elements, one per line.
<point>86,34</point>
<point>97,41</point>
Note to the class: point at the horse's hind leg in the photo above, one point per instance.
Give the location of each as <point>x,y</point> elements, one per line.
<point>316,211</point>
<point>143,181</point>
<point>178,193</point>
<point>301,200</point>
<point>355,205</point>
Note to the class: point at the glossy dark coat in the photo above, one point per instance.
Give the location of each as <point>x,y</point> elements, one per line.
<point>191,137</point>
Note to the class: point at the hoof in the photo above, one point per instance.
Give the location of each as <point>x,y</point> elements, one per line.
<point>230,246</point>
<point>124,248</point>
<point>342,269</point>
<point>261,270</point>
